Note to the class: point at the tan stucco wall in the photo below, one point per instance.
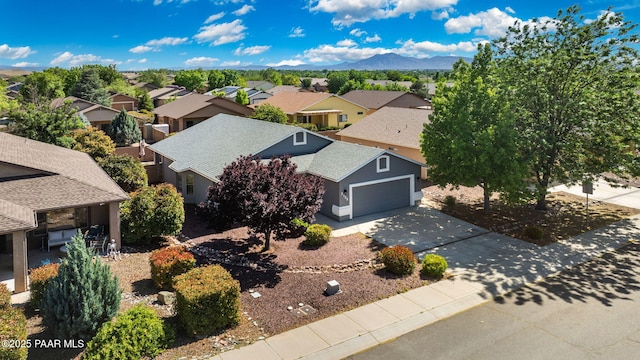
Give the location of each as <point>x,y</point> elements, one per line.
<point>333,103</point>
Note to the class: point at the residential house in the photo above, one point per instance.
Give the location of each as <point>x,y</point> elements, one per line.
<point>322,109</point>
<point>194,108</point>
<point>230,92</point>
<point>99,116</point>
<point>358,180</point>
<point>46,188</point>
<point>376,99</point>
<point>120,101</point>
<point>167,94</point>
<point>320,84</point>
<point>285,88</point>
<point>260,85</point>
<point>395,129</point>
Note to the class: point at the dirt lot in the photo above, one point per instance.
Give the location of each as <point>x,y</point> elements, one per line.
<point>289,274</point>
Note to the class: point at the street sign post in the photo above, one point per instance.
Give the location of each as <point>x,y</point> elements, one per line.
<point>587,188</point>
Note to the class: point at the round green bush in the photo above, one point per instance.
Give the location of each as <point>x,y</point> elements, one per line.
<point>137,333</point>
<point>317,235</point>
<point>434,265</point>
<point>207,299</point>
<point>450,200</point>
<point>38,280</point>
<point>13,326</point>
<point>398,260</point>
<point>534,232</point>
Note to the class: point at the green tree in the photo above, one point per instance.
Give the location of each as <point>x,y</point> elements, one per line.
<point>419,88</point>
<point>272,75</point>
<point>216,79</point>
<point>126,171</point>
<point>336,80</point>
<point>6,104</point>
<point>242,97</point>
<point>271,113</point>
<point>231,77</point>
<point>394,86</point>
<point>124,129</point>
<point>90,87</point>
<point>291,79</point>
<point>82,297</point>
<point>151,212</point>
<point>93,142</point>
<point>191,79</point>
<point>41,87</point>
<point>155,77</point>
<point>48,124</point>
<point>470,139</point>
<point>394,75</point>
<point>572,86</point>
<point>306,83</point>
<point>145,102</point>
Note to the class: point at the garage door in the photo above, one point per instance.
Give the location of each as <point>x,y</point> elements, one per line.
<point>369,199</point>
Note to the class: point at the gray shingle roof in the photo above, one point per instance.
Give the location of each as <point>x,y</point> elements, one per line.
<point>340,159</point>
<point>206,148</point>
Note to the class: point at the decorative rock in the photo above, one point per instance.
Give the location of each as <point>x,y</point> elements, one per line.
<point>290,308</point>
<point>300,304</point>
<point>166,298</point>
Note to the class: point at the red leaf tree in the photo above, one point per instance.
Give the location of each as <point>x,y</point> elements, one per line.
<point>265,196</point>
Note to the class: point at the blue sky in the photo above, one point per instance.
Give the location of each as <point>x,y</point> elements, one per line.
<point>141,34</point>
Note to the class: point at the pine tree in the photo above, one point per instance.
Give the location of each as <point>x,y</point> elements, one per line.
<point>145,102</point>
<point>91,87</point>
<point>124,130</point>
<point>82,297</point>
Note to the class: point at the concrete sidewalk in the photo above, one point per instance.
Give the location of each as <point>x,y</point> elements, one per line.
<point>484,266</point>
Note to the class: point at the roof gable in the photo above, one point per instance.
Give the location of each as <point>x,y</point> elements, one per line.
<point>293,102</point>
<point>372,99</point>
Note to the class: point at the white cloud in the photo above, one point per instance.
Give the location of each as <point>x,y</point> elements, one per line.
<point>244,10</point>
<point>142,61</point>
<point>15,52</point>
<point>200,61</point>
<point>115,36</point>
<point>357,32</point>
<point>330,53</point>
<point>493,23</point>
<point>157,2</point>
<point>289,62</point>
<point>167,41</point>
<point>223,33</point>
<point>510,10</point>
<point>252,50</point>
<point>140,49</point>
<point>374,38</point>
<point>230,63</point>
<point>444,14</point>
<point>296,32</point>
<point>346,43</point>
<point>424,48</point>
<point>76,60</point>
<point>214,17</point>
<point>349,12</point>
<point>24,64</point>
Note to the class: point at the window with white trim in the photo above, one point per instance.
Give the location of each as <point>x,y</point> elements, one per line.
<point>300,138</point>
<point>382,163</point>
<point>343,118</point>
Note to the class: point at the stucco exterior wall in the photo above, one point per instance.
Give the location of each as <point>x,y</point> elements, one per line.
<point>354,112</point>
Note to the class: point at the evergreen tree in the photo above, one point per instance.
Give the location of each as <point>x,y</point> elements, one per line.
<point>145,102</point>
<point>124,130</point>
<point>82,297</point>
<point>90,87</point>
<point>242,97</point>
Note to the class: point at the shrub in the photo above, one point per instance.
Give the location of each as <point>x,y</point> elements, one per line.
<point>169,262</point>
<point>317,235</point>
<point>13,326</point>
<point>450,200</point>
<point>5,296</point>
<point>434,265</point>
<point>310,127</point>
<point>398,259</point>
<point>137,333</point>
<point>127,172</point>
<point>297,227</point>
<point>207,299</point>
<point>533,232</point>
<point>38,280</point>
<point>82,297</point>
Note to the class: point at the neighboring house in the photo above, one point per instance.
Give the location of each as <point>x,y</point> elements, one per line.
<point>46,188</point>
<point>358,180</point>
<point>194,108</point>
<point>322,109</point>
<point>376,99</point>
<point>394,129</point>
<point>120,101</point>
<point>98,115</point>
<point>260,85</point>
<point>320,84</point>
<point>167,94</point>
<point>284,88</point>
<point>230,92</point>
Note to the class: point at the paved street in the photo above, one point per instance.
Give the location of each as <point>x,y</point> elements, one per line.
<point>587,312</point>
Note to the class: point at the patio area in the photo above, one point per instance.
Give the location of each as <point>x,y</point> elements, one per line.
<point>35,258</point>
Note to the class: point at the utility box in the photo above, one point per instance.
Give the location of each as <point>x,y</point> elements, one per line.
<point>333,287</point>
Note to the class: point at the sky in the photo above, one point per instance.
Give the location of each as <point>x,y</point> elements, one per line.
<point>152,34</point>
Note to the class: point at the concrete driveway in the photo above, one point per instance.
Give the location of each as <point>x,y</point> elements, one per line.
<point>420,228</point>
<point>602,191</point>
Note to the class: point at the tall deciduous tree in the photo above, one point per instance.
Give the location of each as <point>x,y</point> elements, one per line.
<point>48,124</point>
<point>470,139</point>
<point>271,113</point>
<point>41,87</point>
<point>82,297</point>
<point>155,77</point>
<point>126,171</point>
<point>191,79</point>
<point>571,84</point>
<point>266,197</point>
<point>215,79</point>
<point>90,87</point>
<point>124,129</point>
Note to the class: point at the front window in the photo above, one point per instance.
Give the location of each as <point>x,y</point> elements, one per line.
<point>343,118</point>
<point>382,163</point>
<point>304,119</point>
<point>179,182</point>
<point>190,181</point>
